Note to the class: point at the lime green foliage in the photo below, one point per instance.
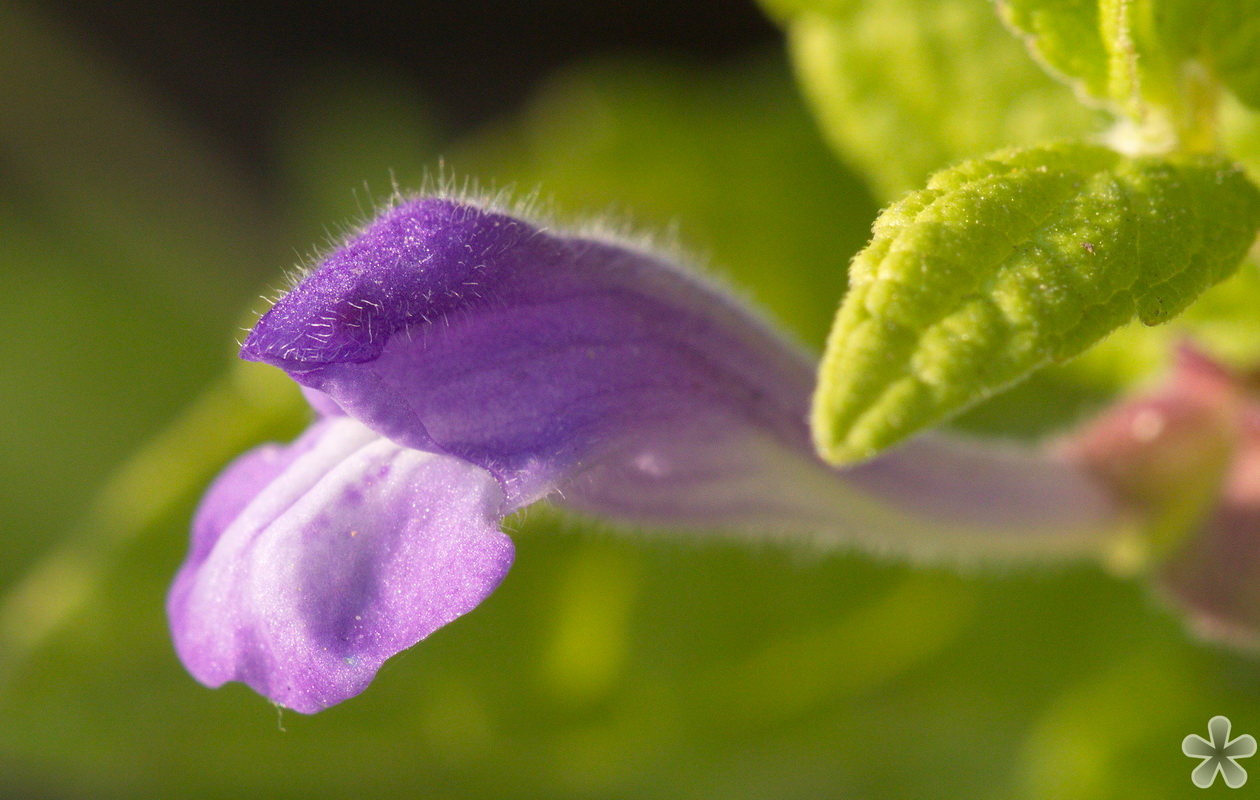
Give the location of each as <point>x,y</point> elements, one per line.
<point>1110,50</point>
<point>903,88</point>
<point>1067,36</point>
<point>1129,54</point>
<point>1132,52</point>
<point>1007,263</point>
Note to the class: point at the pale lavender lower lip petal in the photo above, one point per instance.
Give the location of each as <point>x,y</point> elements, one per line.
<point>311,565</point>
<point>237,486</point>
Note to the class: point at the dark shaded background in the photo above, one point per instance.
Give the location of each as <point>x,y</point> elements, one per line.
<point>225,66</point>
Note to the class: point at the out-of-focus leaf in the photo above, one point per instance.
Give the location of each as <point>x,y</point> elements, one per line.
<point>1067,35</point>
<point>1125,50</point>
<point>1221,36</point>
<point>903,88</point>
<point>1005,264</point>
<point>1110,50</point>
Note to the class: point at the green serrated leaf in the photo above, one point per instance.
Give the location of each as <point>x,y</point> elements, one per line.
<point>1123,52</point>
<point>1132,51</point>
<point>905,87</point>
<point>1066,35</point>
<point>1007,263</point>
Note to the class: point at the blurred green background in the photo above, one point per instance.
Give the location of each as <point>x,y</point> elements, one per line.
<point>146,203</point>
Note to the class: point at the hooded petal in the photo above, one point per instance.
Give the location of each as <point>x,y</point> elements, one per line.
<point>312,564</point>
<point>630,387</point>
<point>457,330</point>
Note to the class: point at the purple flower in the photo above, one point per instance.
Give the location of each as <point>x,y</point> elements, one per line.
<point>464,364</point>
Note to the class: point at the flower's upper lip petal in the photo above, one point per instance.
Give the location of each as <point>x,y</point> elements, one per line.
<point>311,565</point>
<point>462,331</point>
<point>378,283</point>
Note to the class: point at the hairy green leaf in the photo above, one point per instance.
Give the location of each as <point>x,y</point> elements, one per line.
<point>1007,263</point>
<point>1067,37</point>
<point>1125,52</point>
<point>1129,51</point>
<point>903,88</point>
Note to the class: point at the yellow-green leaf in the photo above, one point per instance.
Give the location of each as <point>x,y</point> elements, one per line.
<point>1130,51</point>
<point>1007,263</point>
<point>903,88</point>
<point>1118,51</point>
